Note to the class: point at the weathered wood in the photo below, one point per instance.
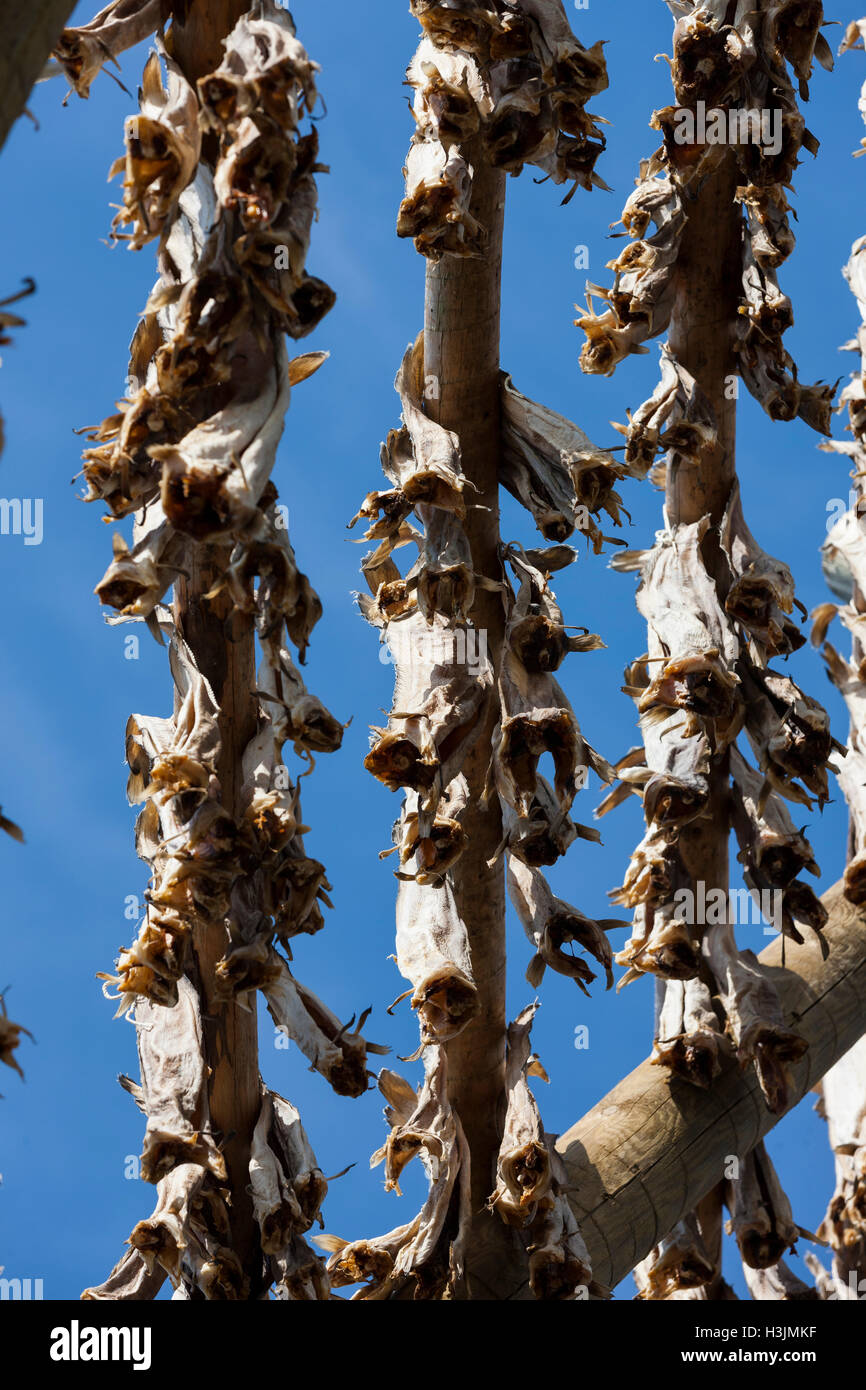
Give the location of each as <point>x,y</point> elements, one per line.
<point>649,1152</point>
<point>702,340</point>
<point>28,33</point>
<point>461,363</point>
<point>230,1032</point>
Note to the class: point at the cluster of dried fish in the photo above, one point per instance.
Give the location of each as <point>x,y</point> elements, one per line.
<point>190,452</point>
<point>843,1089</point>
<point>503,81</point>
<point>444,685</point>
<point>730,75</point>
<point>510,78</point>
<point>714,625</point>
<point>843,1106</point>
<point>719,609</point>
<point>696,688</point>
<point>844,561</point>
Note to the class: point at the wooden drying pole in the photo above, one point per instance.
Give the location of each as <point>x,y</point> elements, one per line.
<point>651,1150</point>
<point>461,367</point>
<point>28,34</point>
<point>227,660</point>
<point>701,339</point>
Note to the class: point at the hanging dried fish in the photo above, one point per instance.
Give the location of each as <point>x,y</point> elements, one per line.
<point>163,144</point>
<point>82,52</point>
<point>338,1054</point>
<point>754,1017</point>
<point>424,1253</point>
<point>558,474</point>
<point>513,79</point>
<point>530,1180</point>
<point>761,1219</point>
<point>843,1104</point>
<point>191,452</point>
<point>678,1262</point>
<point>689,1040</point>
<point>551,925</point>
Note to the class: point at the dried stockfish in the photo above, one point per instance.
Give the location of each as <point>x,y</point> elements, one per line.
<point>551,925</point>
<point>558,474</point>
<point>331,1048</point>
<point>530,1180</point>
<point>689,1040</point>
<point>83,52</point>
<point>678,1262</point>
<point>163,144</point>
<point>754,1016</point>
<point>424,1253</point>
<point>433,953</point>
<point>761,1219</point>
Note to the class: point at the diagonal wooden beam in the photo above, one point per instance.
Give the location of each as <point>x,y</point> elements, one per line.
<point>648,1152</point>
<point>28,33</point>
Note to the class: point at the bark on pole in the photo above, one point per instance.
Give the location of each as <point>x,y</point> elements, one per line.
<point>701,339</point>
<point>227,660</point>
<point>28,33</point>
<point>647,1153</point>
<point>461,356</point>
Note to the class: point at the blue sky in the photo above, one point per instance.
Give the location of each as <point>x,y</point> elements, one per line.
<point>66,1206</point>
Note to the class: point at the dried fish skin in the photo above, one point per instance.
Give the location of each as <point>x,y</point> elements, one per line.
<point>10,1037</point>
<point>438,701</point>
<point>442,580</point>
<point>641,300</point>
<point>844,1106</point>
<point>451,92</point>
<point>680,1261</point>
<point>790,736</point>
<point>433,954</point>
<point>662,944</point>
<point>186,1236</point>
<point>422,459</point>
<point>531,1180</point>
<point>163,143</point>
<point>761,595</point>
<point>761,1219</point>
<point>536,718</point>
<point>174,1082</point>
<point>779,1283</point>
<point>129,1281</point>
<point>551,924</point>
<point>514,80</point>
<point>137,579</point>
<point>555,470</point>
<point>425,1251</point>
<point>544,834</point>
<point>264,69</point>
<point>435,211</point>
<point>754,1017</point>
<point>202,495</point>
<point>772,851</point>
<point>82,52</point>
<point>677,417</point>
<point>340,1056</point>
<point>689,1040</point>
<point>434,853</point>
<point>523,1168</point>
<point>535,628</point>
<point>286,1184</point>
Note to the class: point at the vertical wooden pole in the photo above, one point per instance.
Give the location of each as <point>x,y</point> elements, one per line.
<point>702,340</point>
<point>461,356</point>
<point>230,1032</point>
<point>28,33</point>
